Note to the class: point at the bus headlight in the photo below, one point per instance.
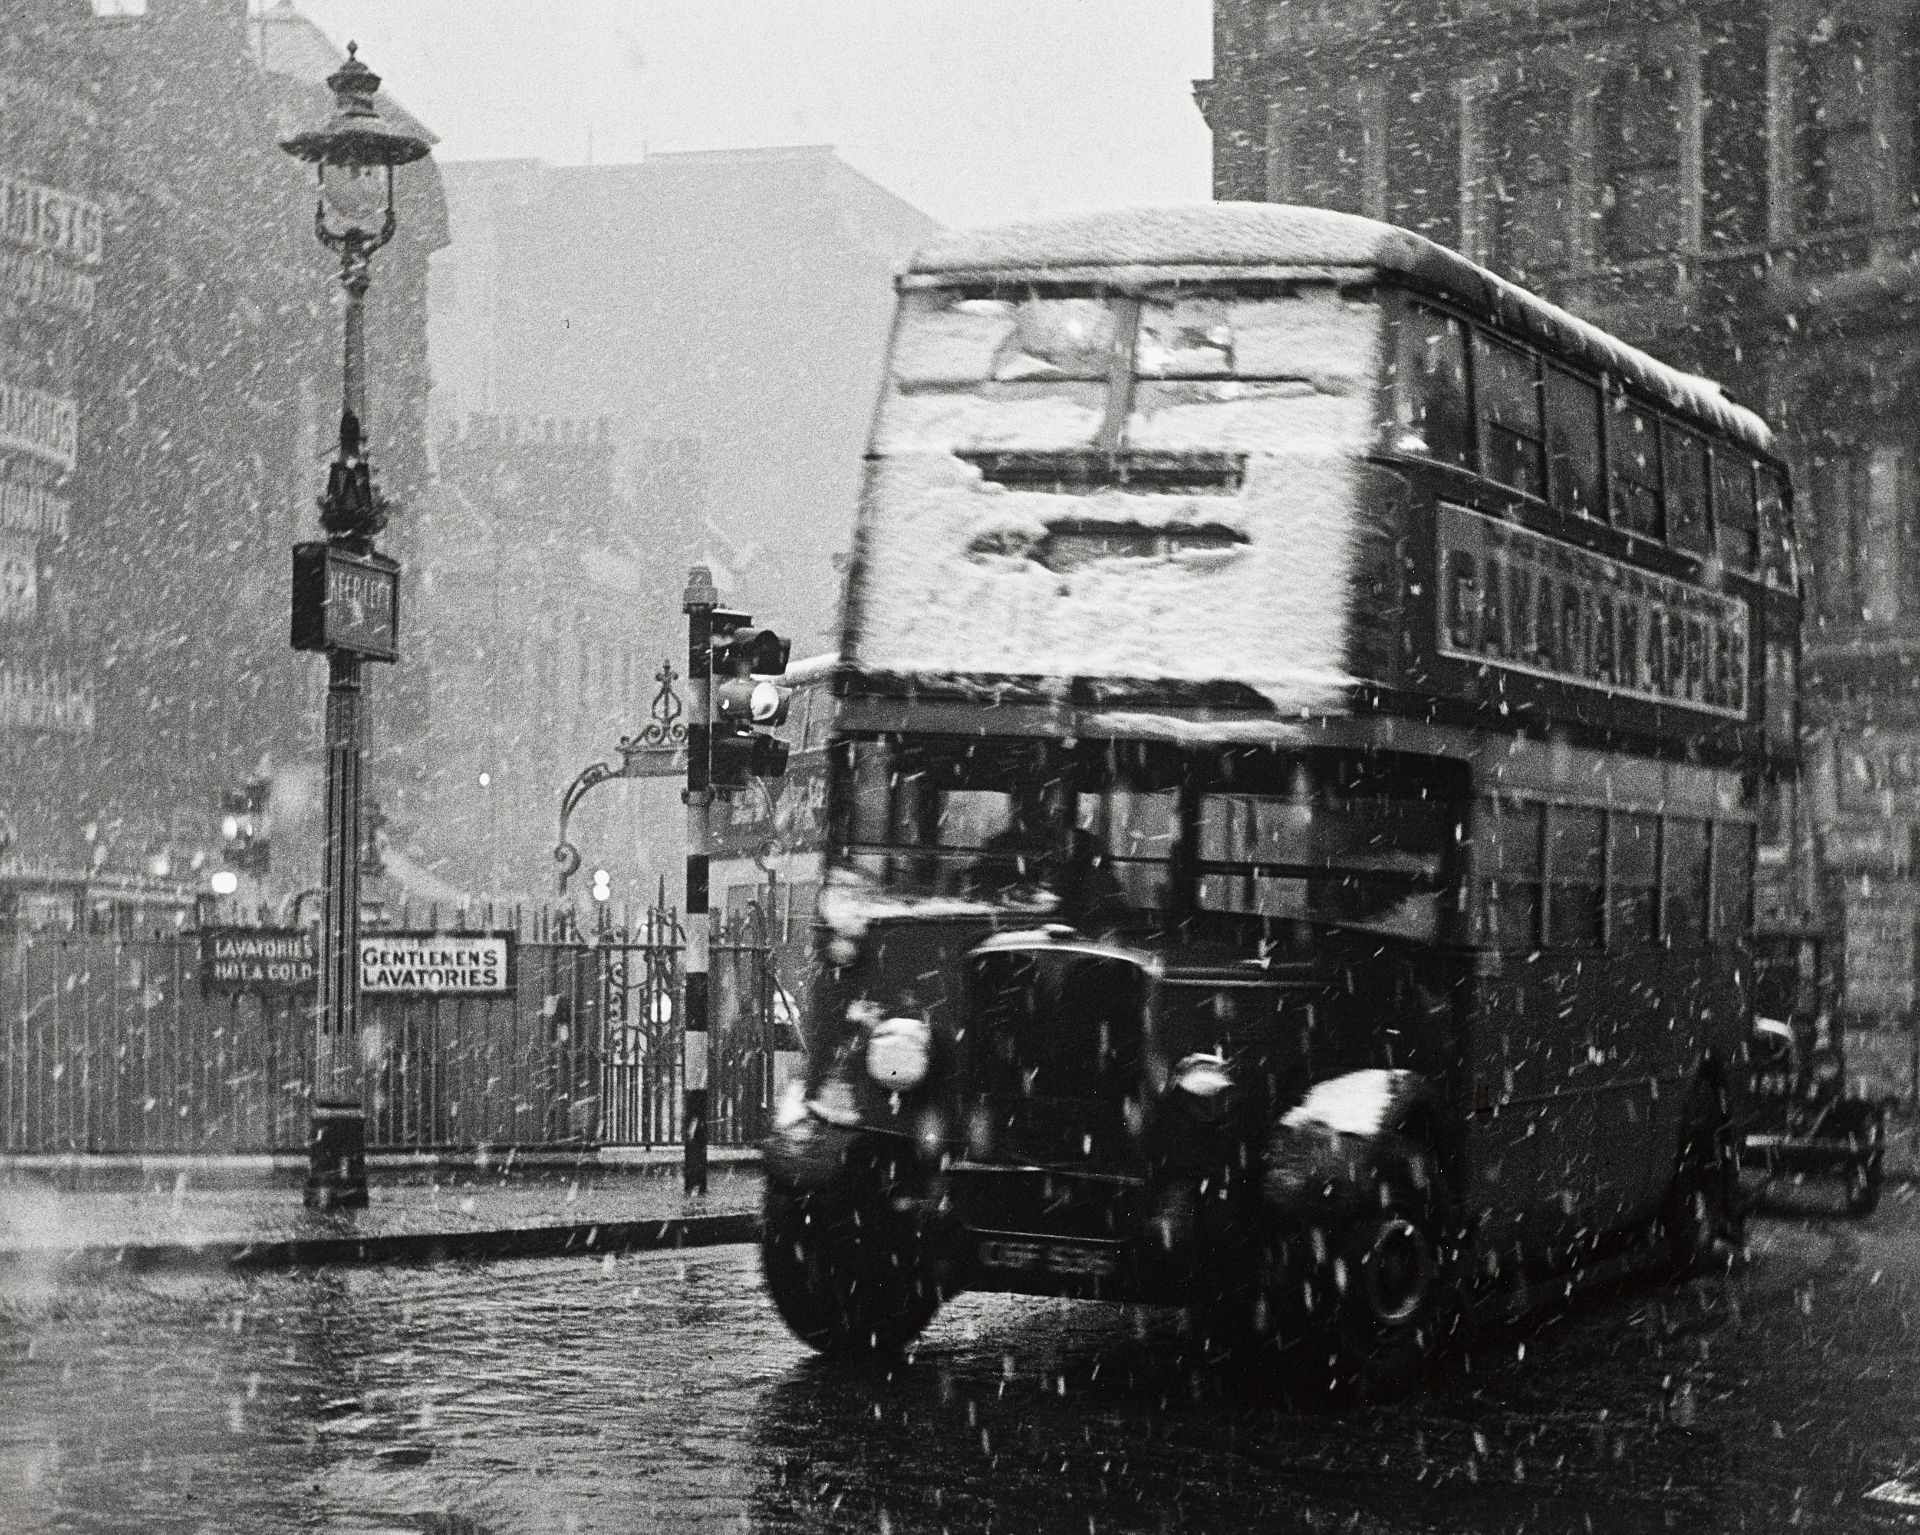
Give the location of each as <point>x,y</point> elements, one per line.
<point>1202,1081</point>
<point>899,1050</point>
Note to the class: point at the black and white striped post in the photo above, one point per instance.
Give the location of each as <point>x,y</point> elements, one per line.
<point>700,600</point>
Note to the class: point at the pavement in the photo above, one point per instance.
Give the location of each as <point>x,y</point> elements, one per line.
<point>81,1213</point>
<point>92,1214</point>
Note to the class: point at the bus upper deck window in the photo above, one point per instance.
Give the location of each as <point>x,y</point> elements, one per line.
<point>1185,336</point>
<point>1573,444</point>
<point>1733,509</point>
<point>1633,469</point>
<point>1776,536</point>
<point>1431,415</point>
<point>1685,458</point>
<point>1506,388</point>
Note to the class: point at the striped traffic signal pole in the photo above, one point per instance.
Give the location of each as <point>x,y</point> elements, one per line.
<point>699,602</point>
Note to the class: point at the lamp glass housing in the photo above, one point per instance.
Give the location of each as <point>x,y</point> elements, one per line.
<point>358,196</point>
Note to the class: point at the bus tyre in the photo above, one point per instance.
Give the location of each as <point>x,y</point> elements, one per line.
<point>848,1272</point>
<point>1698,1209</point>
<point>1866,1132</point>
<point>1393,1273</point>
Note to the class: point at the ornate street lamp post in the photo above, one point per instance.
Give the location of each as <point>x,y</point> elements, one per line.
<point>346,603</point>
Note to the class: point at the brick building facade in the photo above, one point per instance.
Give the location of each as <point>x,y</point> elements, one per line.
<point>169,390</point>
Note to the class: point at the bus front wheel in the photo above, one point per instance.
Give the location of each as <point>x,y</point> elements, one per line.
<point>847,1269</point>
<point>1393,1279</point>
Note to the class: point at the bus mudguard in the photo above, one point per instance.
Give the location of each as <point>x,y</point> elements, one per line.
<point>810,1154</point>
<point>1322,1155</point>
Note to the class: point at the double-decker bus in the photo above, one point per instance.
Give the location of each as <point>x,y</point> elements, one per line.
<point>1302,708</point>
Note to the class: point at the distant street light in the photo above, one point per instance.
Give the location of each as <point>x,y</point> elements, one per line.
<point>345,602</point>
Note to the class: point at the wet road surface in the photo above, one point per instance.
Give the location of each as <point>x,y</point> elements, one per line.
<point>659,1392</point>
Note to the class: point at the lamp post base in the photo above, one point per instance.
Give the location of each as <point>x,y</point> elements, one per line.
<point>337,1158</point>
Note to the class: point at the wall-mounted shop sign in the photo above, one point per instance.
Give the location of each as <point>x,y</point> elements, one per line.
<point>1880,772</point>
<point>33,510</point>
<point>1526,603</point>
<point>38,424</point>
<point>346,602</point>
<point>44,699</point>
<point>40,282</point>
<point>45,218</point>
<point>436,964</point>
<point>258,959</point>
<point>19,579</point>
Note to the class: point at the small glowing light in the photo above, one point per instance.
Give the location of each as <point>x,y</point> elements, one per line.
<point>224,882</point>
<point>485,779</point>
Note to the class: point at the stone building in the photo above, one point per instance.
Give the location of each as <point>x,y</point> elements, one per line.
<point>169,389</point>
<point>725,312</point>
<point>1735,188</point>
<point>636,368</point>
<point>531,573</point>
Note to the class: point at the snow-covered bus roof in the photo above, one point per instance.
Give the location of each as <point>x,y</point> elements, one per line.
<point>1230,239</point>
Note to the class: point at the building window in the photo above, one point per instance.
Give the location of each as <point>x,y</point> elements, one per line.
<point>1322,149</point>
<point>1423,162</point>
<point>1843,492</point>
<point>1836,127</point>
<point>1637,140</point>
<point>1529,153</point>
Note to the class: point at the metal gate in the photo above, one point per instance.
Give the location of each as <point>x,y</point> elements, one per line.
<point>642,990</point>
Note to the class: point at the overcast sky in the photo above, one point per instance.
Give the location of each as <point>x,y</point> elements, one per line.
<point>972,110</point>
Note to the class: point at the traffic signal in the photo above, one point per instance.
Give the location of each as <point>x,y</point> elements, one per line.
<point>602,885</point>
<point>373,825</point>
<point>746,703</point>
<point>244,827</point>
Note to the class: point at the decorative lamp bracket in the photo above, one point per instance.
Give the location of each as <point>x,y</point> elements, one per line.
<point>658,749</point>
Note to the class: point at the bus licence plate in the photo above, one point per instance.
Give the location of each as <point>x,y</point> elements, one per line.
<point>1028,1257</point>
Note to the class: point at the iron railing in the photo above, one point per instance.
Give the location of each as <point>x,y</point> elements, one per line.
<point>111,1045</point>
